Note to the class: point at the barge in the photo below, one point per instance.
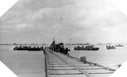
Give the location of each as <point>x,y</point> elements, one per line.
<point>86,48</point>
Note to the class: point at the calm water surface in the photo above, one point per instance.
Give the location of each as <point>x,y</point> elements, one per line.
<point>103,56</point>
<point>23,64</point>
<point>31,64</point>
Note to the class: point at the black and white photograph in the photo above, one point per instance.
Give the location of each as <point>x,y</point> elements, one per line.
<point>63,38</point>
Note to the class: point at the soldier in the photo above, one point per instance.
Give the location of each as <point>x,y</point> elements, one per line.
<point>66,51</point>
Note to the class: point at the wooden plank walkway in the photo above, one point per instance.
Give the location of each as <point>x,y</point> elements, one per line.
<point>59,65</point>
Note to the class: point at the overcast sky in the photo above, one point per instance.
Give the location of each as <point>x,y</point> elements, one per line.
<point>38,21</point>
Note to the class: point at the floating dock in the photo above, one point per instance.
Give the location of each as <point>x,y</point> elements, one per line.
<point>60,65</point>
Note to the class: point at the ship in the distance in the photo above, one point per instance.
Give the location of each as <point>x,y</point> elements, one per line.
<point>110,47</point>
<point>89,47</point>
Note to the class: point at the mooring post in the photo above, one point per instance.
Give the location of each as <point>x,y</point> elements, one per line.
<point>46,66</point>
<point>83,59</point>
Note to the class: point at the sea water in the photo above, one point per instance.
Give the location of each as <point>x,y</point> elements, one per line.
<point>23,63</point>
<point>31,64</point>
<point>103,56</point>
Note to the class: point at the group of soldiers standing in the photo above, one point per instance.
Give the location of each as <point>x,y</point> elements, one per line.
<point>59,48</point>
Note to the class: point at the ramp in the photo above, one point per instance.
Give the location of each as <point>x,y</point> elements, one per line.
<point>60,65</point>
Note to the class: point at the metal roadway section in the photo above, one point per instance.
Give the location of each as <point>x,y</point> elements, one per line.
<point>59,65</point>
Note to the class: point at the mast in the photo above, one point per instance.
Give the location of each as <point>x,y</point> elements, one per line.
<point>53,39</point>
<point>70,44</point>
<point>53,44</point>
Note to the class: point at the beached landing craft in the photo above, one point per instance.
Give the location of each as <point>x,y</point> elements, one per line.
<point>28,48</point>
<point>86,48</point>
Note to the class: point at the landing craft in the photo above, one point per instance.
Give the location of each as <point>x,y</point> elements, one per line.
<point>90,47</point>
<point>119,45</point>
<point>28,48</point>
<point>59,48</point>
<point>111,47</point>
